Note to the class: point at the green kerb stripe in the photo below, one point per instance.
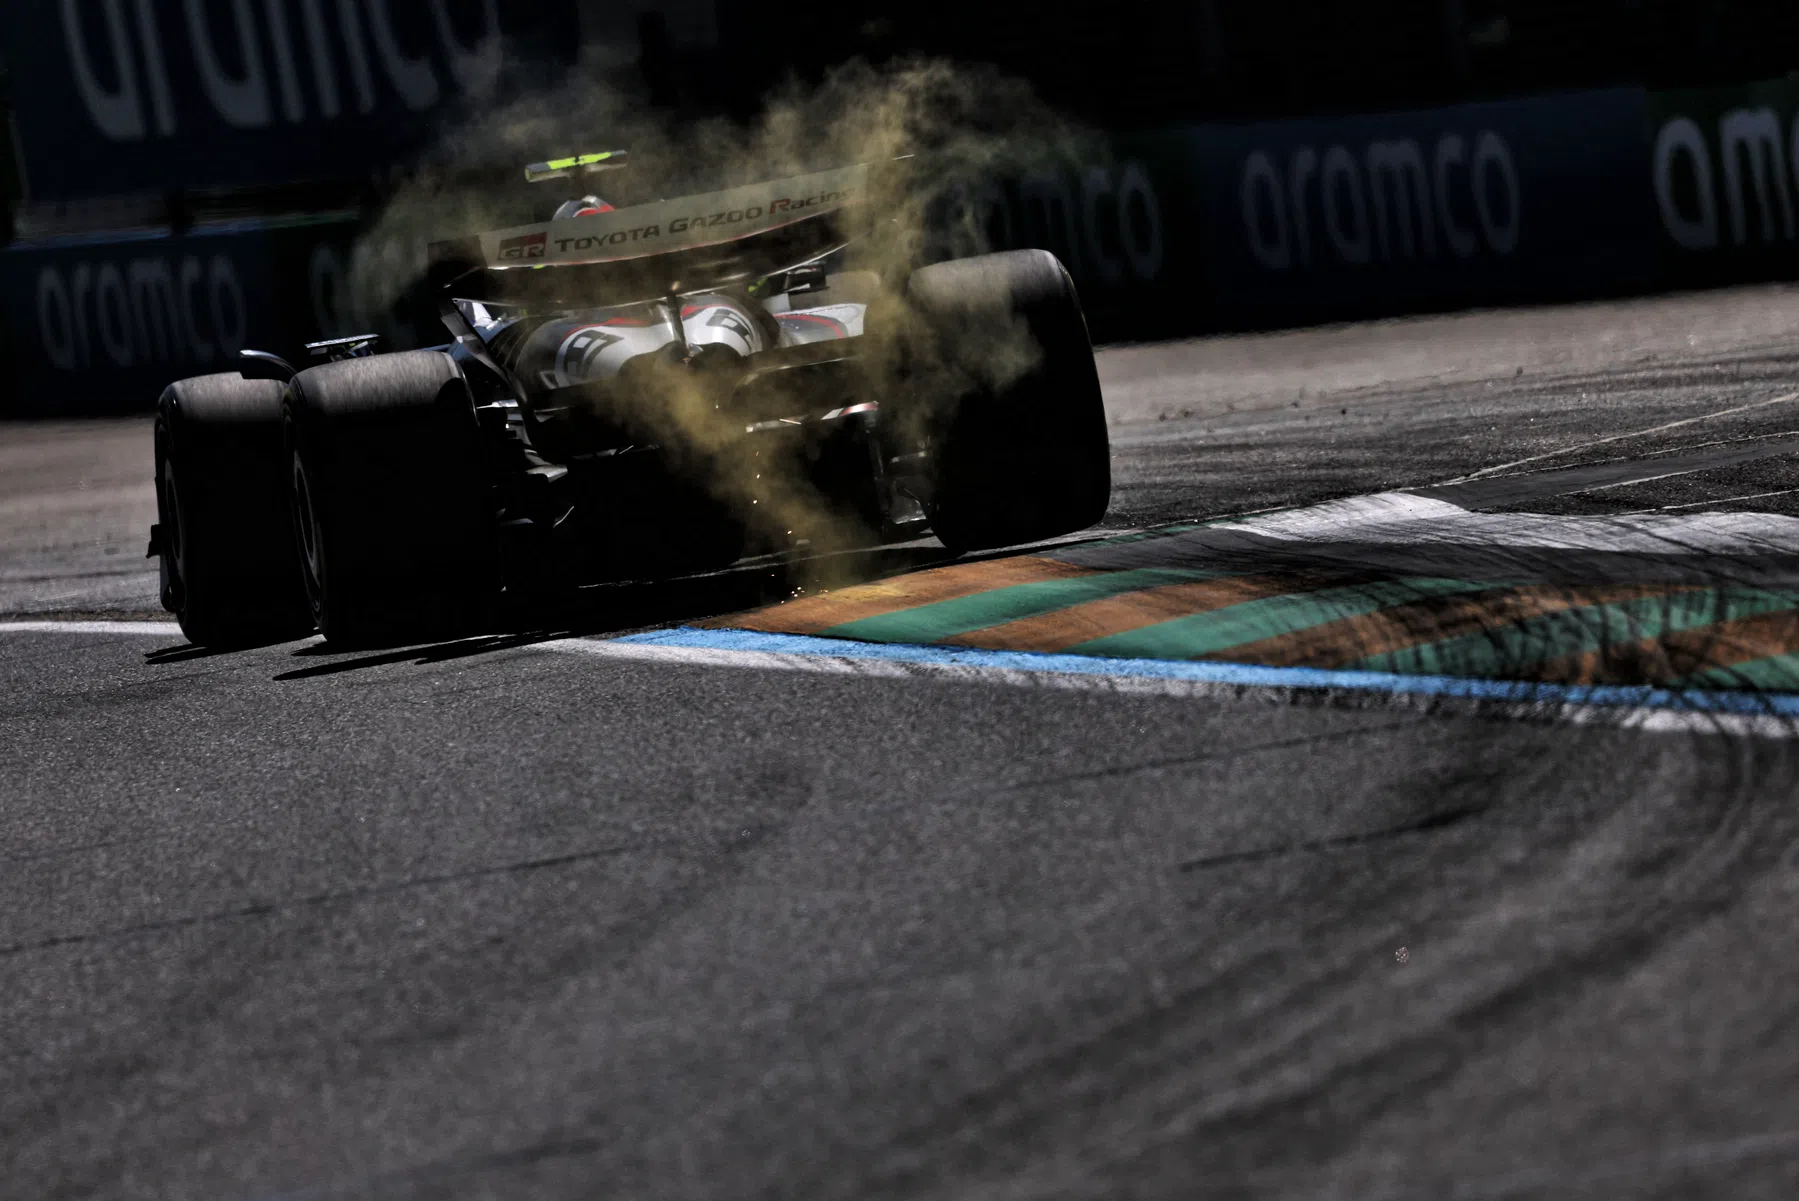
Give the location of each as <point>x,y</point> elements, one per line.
<point>1512,649</point>
<point>946,619</point>
<point>1252,621</point>
<point>1776,673</point>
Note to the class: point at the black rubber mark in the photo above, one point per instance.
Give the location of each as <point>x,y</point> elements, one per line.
<point>180,654</point>
<point>1236,752</point>
<point>328,898</point>
<point>381,1183</point>
<point>58,852</point>
<point>1435,821</point>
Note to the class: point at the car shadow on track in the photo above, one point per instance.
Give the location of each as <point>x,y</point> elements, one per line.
<point>633,605</point>
<point>184,653</point>
<point>617,608</point>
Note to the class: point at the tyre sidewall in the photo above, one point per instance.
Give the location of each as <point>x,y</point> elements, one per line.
<point>401,533</point>
<point>228,566</point>
<point>1024,458</point>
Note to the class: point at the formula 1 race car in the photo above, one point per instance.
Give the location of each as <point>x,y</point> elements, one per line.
<point>631,393</point>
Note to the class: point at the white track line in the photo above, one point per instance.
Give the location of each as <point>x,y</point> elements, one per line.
<point>1654,429</point>
<point>1700,504</point>
<point>150,629</point>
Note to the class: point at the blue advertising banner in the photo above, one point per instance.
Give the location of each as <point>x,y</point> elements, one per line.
<point>1474,204</point>
<point>1167,233</point>
<point>1723,165</point>
<point>143,95</point>
<point>1121,217</point>
<point>104,324</point>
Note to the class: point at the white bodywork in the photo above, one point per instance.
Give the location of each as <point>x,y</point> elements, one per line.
<point>596,345</point>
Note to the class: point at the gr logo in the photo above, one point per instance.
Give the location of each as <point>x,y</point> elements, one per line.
<point>525,246</point>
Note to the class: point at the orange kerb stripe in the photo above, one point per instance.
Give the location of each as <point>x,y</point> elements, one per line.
<point>1134,610</point>
<point>1338,643</point>
<point>810,614</point>
<point>1681,653</point>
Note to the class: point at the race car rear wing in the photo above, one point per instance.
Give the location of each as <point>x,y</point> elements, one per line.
<point>649,251</point>
<point>666,226</point>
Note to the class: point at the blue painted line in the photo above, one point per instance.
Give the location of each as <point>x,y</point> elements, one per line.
<point>162,233</point>
<point>112,237</point>
<point>1782,704</point>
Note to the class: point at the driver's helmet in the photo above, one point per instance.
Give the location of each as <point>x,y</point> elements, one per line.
<point>587,206</point>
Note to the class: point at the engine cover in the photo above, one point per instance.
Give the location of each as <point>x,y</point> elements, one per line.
<point>594,347</point>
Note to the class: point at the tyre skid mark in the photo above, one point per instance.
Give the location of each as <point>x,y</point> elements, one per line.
<point>1403,626</point>
<point>1689,656</point>
<point>1423,825</point>
<point>271,907</point>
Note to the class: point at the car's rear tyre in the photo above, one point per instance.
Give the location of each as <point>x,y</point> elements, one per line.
<point>391,505</point>
<point>230,568</point>
<point>1020,428</point>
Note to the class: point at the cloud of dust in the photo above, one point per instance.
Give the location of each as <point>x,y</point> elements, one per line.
<point>957,130</point>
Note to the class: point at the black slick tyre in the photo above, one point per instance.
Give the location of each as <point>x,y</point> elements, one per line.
<point>390,500</point>
<point>230,568</point>
<point>1020,428</point>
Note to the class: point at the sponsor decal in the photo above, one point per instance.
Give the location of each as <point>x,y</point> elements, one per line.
<point>720,324</point>
<point>676,224</point>
<point>790,204</point>
<point>681,225</point>
<point>525,246</point>
<point>577,359</point>
<point>575,245</point>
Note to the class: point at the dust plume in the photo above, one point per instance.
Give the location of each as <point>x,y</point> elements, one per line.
<point>937,138</point>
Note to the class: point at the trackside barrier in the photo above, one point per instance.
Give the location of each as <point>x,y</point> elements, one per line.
<point>1167,233</point>
<point>1722,163</point>
<point>1291,221</point>
<point>1515,200</point>
<point>102,324</point>
<point>1125,220</point>
<point>151,95</point>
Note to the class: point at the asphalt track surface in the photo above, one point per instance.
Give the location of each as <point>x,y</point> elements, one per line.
<point>554,915</point>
